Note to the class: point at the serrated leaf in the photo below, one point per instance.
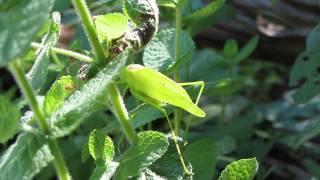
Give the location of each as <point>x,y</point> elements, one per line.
<point>100,146</point>
<point>9,119</point>
<point>104,172</point>
<point>205,11</point>
<point>246,50</point>
<point>19,25</point>
<point>38,73</point>
<point>110,26</point>
<point>149,147</point>
<point>25,158</point>
<point>243,169</point>
<point>230,48</point>
<point>58,92</point>
<point>89,99</point>
<point>202,156</point>
<point>159,53</point>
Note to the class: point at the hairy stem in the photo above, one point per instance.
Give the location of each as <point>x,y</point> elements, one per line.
<point>177,113</point>
<point>65,52</point>
<point>84,13</point>
<point>31,98</point>
<point>121,112</point>
<point>116,98</point>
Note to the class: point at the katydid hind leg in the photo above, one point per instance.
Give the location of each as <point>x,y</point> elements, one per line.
<point>186,170</point>
<point>199,83</point>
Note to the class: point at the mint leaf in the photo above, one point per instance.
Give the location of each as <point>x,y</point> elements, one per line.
<point>243,169</point>
<point>9,119</point>
<point>20,21</point>
<point>89,99</point>
<point>205,11</point>
<point>38,73</point>
<point>25,158</point>
<point>58,92</point>
<point>230,48</point>
<point>246,50</point>
<point>100,146</point>
<point>111,26</point>
<point>149,147</point>
<point>202,156</point>
<point>159,53</point>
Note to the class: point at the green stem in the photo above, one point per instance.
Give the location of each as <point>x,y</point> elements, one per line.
<point>222,115</point>
<point>28,94</point>
<point>116,98</point>
<point>84,13</point>
<point>177,113</point>
<point>31,98</point>
<point>121,112</point>
<point>65,52</point>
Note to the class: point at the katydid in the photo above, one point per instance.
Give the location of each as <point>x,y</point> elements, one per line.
<point>157,90</point>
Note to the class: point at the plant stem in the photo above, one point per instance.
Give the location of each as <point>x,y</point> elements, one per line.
<point>116,98</point>
<point>121,112</point>
<point>177,113</point>
<point>65,52</point>
<point>31,98</point>
<point>28,94</point>
<point>223,110</point>
<point>84,13</point>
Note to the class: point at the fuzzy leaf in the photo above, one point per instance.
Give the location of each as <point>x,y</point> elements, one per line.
<point>58,92</point>
<point>25,158</point>
<point>100,146</point>
<point>9,119</point>
<point>111,26</point>
<point>202,156</point>
<point>149,147</point>
<point>243,169</point>
<point>19,25</point>
<point>89,99</point>
<point>159,53</point>
<point>38,73</point>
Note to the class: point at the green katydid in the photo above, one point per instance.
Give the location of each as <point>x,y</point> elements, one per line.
<point>157,90</point>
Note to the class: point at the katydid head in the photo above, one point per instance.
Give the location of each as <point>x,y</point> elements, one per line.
<point>129,68</point>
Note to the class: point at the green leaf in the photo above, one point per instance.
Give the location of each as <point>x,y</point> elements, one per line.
<point>110,26</point>
<point>202,156</point>
<point>89,99</point>
<point>9,119</point>
<point>230,48</point>
<point>309,89</point>
<point>100,146</point>
<point>159,53</point>
<point>245,51</point>
<point>312,167</point>
<point>149,147</point>
<point>204,12</point>
<point>313,40</point>
<point>104,172</point>
<point>243,169</point>
<point>19,25</point>
<point>25,158</point>
<point>58,92</point>
<point>226,145</point>
<point>167,3</point>
<point>148,174</point>
<point>138,10</point>
<point>38,73</point>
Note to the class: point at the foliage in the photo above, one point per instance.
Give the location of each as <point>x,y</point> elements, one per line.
<point>79,111</point>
